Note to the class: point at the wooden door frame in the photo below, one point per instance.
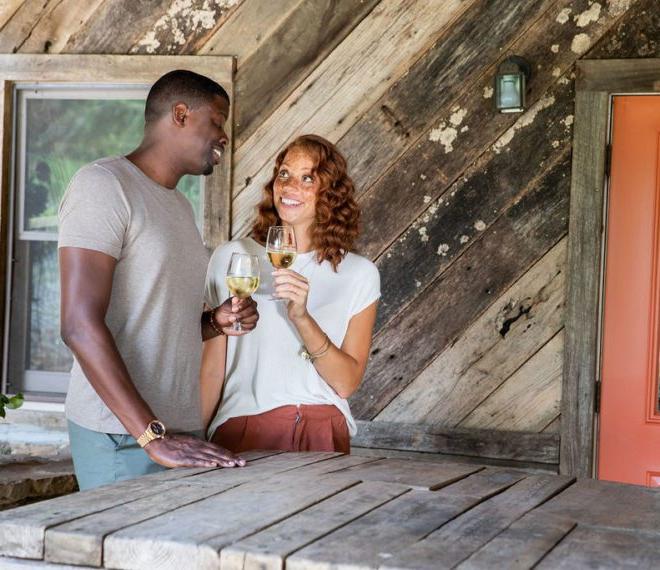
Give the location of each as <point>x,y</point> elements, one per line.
<point>112,70</point>
<point>596,82</point>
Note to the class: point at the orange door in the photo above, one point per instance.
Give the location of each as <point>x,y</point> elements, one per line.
<point>629,434</point>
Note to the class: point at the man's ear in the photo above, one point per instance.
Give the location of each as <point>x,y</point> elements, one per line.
<point>180,114</point>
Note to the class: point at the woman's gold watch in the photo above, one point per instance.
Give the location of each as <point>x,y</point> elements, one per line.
<point>155,430</point>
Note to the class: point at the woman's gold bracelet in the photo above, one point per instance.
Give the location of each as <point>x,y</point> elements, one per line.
<point>312,356</point>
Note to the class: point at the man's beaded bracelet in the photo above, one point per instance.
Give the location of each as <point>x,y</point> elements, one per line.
<point>212,322</point>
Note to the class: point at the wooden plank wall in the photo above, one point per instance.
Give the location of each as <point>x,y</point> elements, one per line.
<point>465,211</point>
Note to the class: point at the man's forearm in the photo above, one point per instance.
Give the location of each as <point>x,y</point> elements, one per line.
<point>96,351</point>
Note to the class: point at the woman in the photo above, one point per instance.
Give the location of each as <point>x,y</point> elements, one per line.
<point>274,398</point>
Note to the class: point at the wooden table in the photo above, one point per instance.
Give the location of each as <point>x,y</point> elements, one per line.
<point>327,510</point>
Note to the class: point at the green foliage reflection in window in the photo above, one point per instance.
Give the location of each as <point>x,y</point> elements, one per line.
<point>64,134</point>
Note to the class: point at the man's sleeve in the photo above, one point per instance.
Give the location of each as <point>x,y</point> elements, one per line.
<point>94,212</point>
<point>216,288</point>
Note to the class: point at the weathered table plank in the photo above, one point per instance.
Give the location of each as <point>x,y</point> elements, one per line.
<point>588,547</point>
<point>522,545</point>
<point>370,540</point>
<point>428,476</point>
<point>602,503</point>
<point>22,530</point>
<point>267,549</point>
<point>328,510</point>
<point>457,540</point>
<point>81,540</point>
<point>194,534</point>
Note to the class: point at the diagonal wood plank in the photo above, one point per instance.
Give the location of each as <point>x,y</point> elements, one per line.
<point>469,125</point>
<point>590,502</point>
<point>295,48</point>
<point>462,216</point>
<point>116,26</point>
<point>25,18</point>
<point>519,238</point>
<point>371,540</point>
<point>7,10</point>
<point>522,545</point>
<point>633,35</point>
<point>268,549</point>
<point>529,399</point>
<point>247,28</point>
<point>484,355</point>
<point>52,32</point>
<point>428,476</point>
<point>195,536</point>
<point>473,44</point>
<point>459,538</point>
<point>328,101</point>
<point>81,541</point>
<point>22,530</point>
<point>184,27</point>
<point>588,547</point>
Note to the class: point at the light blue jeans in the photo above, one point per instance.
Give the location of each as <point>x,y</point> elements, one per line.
<point>102,458</point>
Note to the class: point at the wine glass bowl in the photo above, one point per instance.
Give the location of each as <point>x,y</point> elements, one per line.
<point>242,278</point>
<point>281,248</point>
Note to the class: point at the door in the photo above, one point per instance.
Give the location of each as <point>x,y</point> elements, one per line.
<point>629,424</point>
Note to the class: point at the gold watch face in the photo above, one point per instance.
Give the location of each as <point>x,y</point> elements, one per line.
<point>157,428</point>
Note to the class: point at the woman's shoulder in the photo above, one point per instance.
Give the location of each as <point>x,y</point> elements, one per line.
<point>358,264</point>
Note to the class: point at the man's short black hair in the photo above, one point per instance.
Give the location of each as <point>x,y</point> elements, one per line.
<point>180,85</point>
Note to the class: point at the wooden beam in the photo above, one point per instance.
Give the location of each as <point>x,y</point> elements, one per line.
<point>580,369</point>
<point>618,75</point>
<point>521,446</point>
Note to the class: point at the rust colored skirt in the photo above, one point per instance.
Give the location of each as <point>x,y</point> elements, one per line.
<point>288,428</point>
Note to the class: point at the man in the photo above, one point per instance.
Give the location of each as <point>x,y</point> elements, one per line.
<point>132,271</point>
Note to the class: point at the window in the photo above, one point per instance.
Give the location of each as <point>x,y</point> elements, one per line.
<point>57,128</point>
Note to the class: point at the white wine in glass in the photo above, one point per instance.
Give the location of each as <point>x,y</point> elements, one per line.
<point>281,248</point>
<point>242,278</point>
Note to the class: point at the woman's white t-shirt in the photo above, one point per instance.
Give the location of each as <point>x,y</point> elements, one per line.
<point>264,368</point>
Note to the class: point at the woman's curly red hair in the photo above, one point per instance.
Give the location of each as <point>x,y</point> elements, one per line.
<point>337,213</point>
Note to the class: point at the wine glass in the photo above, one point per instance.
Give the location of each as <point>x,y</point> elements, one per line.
<point>242,278</point>
<point>281,248</point>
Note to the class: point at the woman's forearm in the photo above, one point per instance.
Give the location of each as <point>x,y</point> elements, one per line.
<point>340,370</point>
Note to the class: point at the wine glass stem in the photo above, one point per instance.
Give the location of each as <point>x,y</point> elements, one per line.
<point>237,326</point>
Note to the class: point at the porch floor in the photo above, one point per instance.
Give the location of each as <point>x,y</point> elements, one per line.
<point>326,510</point>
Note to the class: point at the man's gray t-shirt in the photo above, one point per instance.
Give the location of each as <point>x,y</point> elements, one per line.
<point>157,297</point>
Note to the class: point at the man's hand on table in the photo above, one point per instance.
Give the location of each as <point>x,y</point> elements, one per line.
<point>189,451</point>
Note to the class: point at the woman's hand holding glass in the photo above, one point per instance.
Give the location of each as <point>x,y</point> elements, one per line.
<point>294,288</point>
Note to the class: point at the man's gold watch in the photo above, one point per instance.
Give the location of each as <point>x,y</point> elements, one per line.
<point>155,430</point>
